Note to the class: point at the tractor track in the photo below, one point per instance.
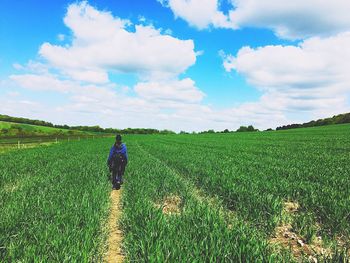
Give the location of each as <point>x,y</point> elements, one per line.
<point>115,253</point>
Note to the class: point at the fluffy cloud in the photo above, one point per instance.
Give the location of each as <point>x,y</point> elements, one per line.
<point>313,76</point>
<point>61,37</point>
<point>172,105</point>
<point>293,19</point>
<point>176,106</point>
<point>310,78</point>
<point>103,105</point>
<point>198,13</point>
<point>297,19</point>
<point>103,43</point>
<point>173,90</point>
<point>37,82</point>
<point>89,93</point>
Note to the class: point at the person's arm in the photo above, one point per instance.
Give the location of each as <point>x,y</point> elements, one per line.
<point>110,156</point>
<point>126,154</point>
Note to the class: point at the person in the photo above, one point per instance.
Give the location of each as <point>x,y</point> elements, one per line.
<point>117,161</point>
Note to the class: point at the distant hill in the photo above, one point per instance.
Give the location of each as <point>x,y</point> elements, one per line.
<point>91,129</point>
<point>11,129</point>
<point>337,119</point>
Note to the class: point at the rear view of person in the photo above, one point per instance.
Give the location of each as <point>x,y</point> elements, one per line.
<point>117,161</point>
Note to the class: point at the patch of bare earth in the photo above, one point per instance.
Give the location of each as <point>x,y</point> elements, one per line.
<point>114,253</point>
<point>171,205</point>
<point>285,237</point>
<point>344,242</point>
<point>12,187</point>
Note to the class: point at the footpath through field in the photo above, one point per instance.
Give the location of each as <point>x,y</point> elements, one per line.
<point>114,253</point>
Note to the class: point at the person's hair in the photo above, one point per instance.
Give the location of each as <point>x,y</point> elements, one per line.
<point>118,138</point>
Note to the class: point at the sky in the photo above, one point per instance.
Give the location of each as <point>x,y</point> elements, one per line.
<point>189,65</point>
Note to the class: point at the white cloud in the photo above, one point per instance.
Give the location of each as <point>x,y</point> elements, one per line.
<point>105,43</point>
<point>297,19</point>
<point>13,93</point>
<point>102,45</point>
<point>61,37</point>
<point>198,13</point>
<point>168,32</point>
<point>32,67</point>
<point>312,77</point>
<point>91,93</point>
<point>306,80</point>
<point>173,108</point>
<point>173,90</point>
<point>293,19</point>
<point>176,105</point>
<point>37,82</point>
<point>20,108</point>
<point>17,66</point>
<point>142,19</point>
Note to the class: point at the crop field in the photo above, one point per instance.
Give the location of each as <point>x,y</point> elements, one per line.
<point>241,197</point>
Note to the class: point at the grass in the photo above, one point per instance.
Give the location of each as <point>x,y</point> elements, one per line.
<point>198,233</point>
<point>228,192</point>
<point>53,200</point>
<point>18,135</point>
<point>254,172</point>
<point>10,129</point>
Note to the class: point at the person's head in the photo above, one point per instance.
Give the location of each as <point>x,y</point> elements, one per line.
<point>118,139</point>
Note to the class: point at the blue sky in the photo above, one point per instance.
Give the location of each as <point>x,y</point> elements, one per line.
<point>181,65</point>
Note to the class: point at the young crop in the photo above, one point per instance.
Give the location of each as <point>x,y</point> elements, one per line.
<point>197,232</point>
<point>255,173</point>
<point>53,201</point>
<point>186,198</point>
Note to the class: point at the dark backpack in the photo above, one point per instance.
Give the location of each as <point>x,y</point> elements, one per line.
<point>117,161</point>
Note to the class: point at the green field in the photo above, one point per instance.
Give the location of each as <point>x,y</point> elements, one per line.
<point>19,135</point>
<point>10,129</point>
<point>187,198</point>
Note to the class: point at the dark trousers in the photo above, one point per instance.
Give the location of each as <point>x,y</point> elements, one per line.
<point>117,174</point>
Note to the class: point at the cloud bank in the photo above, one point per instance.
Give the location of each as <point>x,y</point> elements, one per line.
<point>198,13</point>
<point>297,83</point>
<point>311,77</point>
<point>103,43</point>
<point>297,19</point>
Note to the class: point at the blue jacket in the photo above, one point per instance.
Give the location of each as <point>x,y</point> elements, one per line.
<point>122,151</point>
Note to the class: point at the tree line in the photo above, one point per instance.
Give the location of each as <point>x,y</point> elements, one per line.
<point>249,128</point>
<point>96,129</point>
<point>336,119</point>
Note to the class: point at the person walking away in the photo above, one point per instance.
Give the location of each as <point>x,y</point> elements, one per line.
<point>117,161</point>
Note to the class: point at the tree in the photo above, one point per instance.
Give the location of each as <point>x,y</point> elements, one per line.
<point>250,128</point>
<point>4,131</point>
<point>242,129</point>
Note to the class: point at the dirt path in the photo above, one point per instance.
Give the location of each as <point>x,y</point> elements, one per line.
<point>114,253</point>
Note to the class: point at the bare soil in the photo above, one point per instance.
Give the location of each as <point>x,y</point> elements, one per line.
<point>12,187</point>
<point>171,205</point>
<point>114,253</point>
<point>285,237</point>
